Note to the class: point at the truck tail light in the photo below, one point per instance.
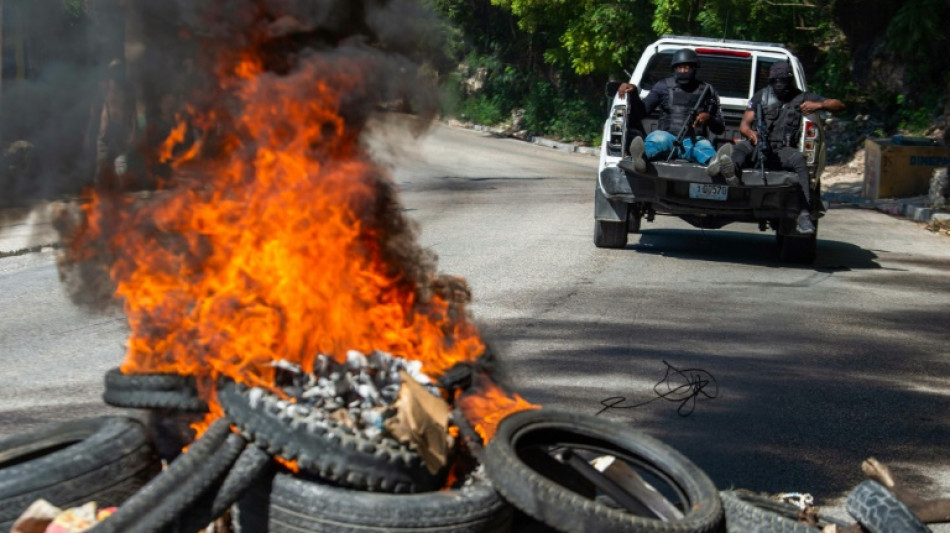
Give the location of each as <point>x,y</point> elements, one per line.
<point>810,141</point>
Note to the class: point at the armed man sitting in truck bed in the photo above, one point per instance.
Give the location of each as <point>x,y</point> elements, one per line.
<point>677,97</point>
<point>782,106</point>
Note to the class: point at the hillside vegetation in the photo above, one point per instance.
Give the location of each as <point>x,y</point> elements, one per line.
<point>548,60</point>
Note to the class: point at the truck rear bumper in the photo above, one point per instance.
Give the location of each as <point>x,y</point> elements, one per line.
<point>667,187</point>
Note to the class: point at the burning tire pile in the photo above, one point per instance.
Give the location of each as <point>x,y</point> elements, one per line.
<point>286,328</point>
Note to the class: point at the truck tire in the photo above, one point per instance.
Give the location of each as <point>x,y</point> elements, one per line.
<point>608,234</point>
<point>634,218</point>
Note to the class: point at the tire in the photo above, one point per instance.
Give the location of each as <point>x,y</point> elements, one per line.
<point>801,250</point>
<point>634,218</point>
<point>161,501</point>
<point>152,391</point>
<point>323,447</point>
<point>518,462</point>
<point>610,234</point>
<point>879,511</point>
<point>103,459</point>
<point>115,379</point>
<point>252,464</point>
<point>747,512</point>
<point>289,504</point>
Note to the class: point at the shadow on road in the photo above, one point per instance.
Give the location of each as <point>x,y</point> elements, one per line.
<point>753,249</point>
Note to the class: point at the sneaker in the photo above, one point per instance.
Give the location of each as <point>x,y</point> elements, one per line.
<point>636,152</point>
<point>804,225</point>
<point>721,164</point>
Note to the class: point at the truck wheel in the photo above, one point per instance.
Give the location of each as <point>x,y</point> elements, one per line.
<point>795,249</point>
<point>610,234</point>
<point>634,217</point>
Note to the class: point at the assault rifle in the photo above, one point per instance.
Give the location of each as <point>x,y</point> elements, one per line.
<point>763,135</point>
<point>688,125</point>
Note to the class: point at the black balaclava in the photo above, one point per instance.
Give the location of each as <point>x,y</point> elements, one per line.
<point>780,78</point>
<point>686,79</point>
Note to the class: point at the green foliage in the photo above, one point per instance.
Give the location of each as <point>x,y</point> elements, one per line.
<point>551,57</point>
<point>919,28</point>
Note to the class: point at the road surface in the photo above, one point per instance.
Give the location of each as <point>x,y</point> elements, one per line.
<point>815,368</point>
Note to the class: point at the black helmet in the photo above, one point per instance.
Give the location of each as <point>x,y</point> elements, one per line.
<point>685,55</point>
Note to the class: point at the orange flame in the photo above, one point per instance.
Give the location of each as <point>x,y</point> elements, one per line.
<point>270,255</point>
<point>488,405</point>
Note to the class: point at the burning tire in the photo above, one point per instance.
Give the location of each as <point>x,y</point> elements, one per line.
<point>747,512</point>
<point>289,504</point>
<point>323,446</point>
<point>102,459</point>
<point>152,391</point>
<point>579,473</point>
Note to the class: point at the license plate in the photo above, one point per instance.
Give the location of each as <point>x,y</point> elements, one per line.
<point>708,191</point>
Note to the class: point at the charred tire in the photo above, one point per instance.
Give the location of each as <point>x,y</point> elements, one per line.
<point>879,511</point>
<point>158,504</point>
<point>290,504</point>
<point>518,476</point>
<point>152,391</point>
<point>68,464</point>
<point>610,234</point>
<point>251,465</point>
<point>171,486</point>
<point>322,446</point>
<point>747,512</point>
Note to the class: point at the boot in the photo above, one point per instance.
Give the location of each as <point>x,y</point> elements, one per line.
<point>804,225</point>
<point>636,153</point>
<point>721,164</point>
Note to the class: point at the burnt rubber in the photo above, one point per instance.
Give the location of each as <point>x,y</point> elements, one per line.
<point>322,446</point>
<point>520,464</point>
<point>289,504</point>
<point>115,379</point>
<point>68,464</point>
<point>152,391</point>
<point>748,512</point>
<point>879,511</point>
<point>158,503</point>
<point>252,465</point>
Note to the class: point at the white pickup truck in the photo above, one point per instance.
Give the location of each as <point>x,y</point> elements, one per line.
<point>737,69</point>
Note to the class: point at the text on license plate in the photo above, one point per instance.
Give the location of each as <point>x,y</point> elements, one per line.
<point>708,191</point>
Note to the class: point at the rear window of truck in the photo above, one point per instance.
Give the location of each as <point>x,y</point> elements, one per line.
<point>729,75</point>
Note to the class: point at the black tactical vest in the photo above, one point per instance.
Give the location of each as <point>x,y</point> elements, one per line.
<point>681,102</point>
<point>782,119</point>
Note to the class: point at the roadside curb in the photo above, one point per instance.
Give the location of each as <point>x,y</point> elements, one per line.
<point>913,209</point>
<point>541,141</point>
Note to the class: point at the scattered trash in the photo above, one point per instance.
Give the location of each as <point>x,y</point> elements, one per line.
<point>44,517</point>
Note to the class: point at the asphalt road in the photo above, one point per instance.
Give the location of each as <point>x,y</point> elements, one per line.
<point>816,367</point>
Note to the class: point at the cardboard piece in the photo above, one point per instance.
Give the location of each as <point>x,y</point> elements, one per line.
<point>900,169</point>
<point>421,419</point>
